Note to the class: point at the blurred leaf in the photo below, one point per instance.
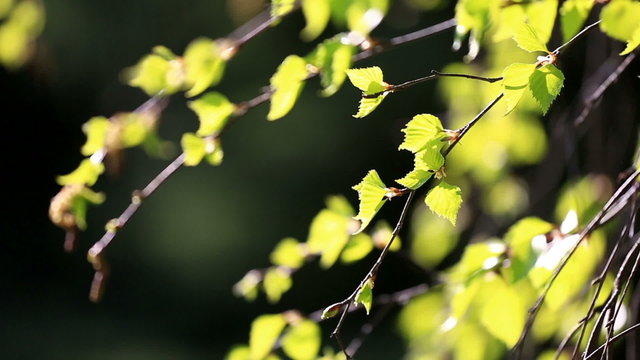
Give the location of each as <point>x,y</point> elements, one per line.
<point>287,83</point>
<point>573,14</point>
<point>381,235</point>
<point>474,16</point>
<point>5,7</point>
<point>371,192</point>
<point>519,238</point>
<point>472,342</point>
<point>213,110</point>
<point>316,14</point>
<point>527,39</point>
<point>96,130</point>
<point>365,295</point>
<point>133,129</point>
<point>328,235</point>
<point>276,282</point>
<point>247,287</point>
<point>474,260</point>
<point>584,196</point>
<point>80,203</point>
<point>333,58</point>
<point>194,148</point>
<point>203,65</point>
<point>432,238</point>
<point>216,155</point>
<point>357,248</point>
<point>445,200</point>
<point>620,19</point>
<point>541,15</point>
<point>340,205</point>
<point>503,311</point>
<point>288,253</point>
<point>282,7</point>
<point>302,341</point>
<point>423,315</point>
<point>515,81</point>
<point>365,15</point>
<point>86,173</point>
<point>420,131</point>
<point>545,85</point>
<point>151,75</point>
<point>238,352</point>
<point>265,331</point>
<point>633,42</point>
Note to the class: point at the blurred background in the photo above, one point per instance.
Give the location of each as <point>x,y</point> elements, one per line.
<point>174,264</point>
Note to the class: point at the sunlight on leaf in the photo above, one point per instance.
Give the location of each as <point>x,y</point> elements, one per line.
<point>371,192</point>
<point>365,295</point>
<point>203,65</point>
<point>213,110</point>
<point>288,253</point>
<point>420,131</point>
<point>545,85</point>
<point>87,173</point>
<point>357,248</point>
<point>526,38</point>
<point>316,14</point>
<point>302,341</point>
<point>515,82</point>
<point>287,83</point>
<point>573,14</point>
<point>194,148</point>
<point>96,130</point>
<point>504,311</point>
<point>445,200</point>
<point>264,333</point>
<point>369,80</point>
<point>276,282</point>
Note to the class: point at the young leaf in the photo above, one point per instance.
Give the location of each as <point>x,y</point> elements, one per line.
<point>620,19</point>
<point>445,200</point>
<point>213,110</point>
<point>96,129</point>
<point>357,248</point>
<point>515,81</point>
<point>288,253</point>
<point>429,158</point>
<point>150,75</point>
<point>316,14</point>
<point>215,155</point>
<point>382,234</point>
<point>503,311</point>
<point>371,192</point>
<point>369,80</point>
<point>419,131</point>
<point>367,105</point>
<point>363,16</point>
<point>282,7</point>
<point>87,173</point>
<point>365,295</point>
<point>633,42</point>
<point>328,235</point>
<point>247,287</point>
<point>302,340</point>
<point>332,310</point>
<point>287,84</point>
<point>415,179</point>
<point>332,58</point>
<point>276,282</point>
<point>194,148</point>
<point>545,85</point>
<point>526,38</point>
<point>203,65</point>
<point>573,14</point>
<point>264,333</point>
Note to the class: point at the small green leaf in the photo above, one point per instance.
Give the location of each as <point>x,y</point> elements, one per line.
<point>503,311</point>
<point>277,281</point>
<point>419,131</point>
<point>369,80</point>
<point>526,38</point>
<point>316,14</point>
<point>96,129</point>
<point>265,331</point>
<point>213,110</point>
<point>288,253</point>
<point>382,234</point>
<point>194,148</point>
<point>357,248</point>
<point>429,158</point>
<point>445,200</point>
<point>415,179</point>
<point>247,287</point>
<point>371,192</point>
<point>519,238</point>
<point>545,85</point>
<point>332,58</point>
<point>573,14</point>
<point>515,81</point>
<point>282,7</point>
<point>149,74</point>
<point>238,352</point>
<point>215,155</point>
<point>364,15</point>
<point>302,340</point>
<point>339,205</point>
<point>287,83</point>
<point>328,235</point>
<point>203,65</point>
<point>80,204</point>
<point>332,310</point>
<point>87,173</point>
<point>365,295</point>
<point>367,105</point>
<point>620,19</point>
<point>134,129</point>
<point>633,42</point>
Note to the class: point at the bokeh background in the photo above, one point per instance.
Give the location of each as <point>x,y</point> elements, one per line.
<point>174,265</point>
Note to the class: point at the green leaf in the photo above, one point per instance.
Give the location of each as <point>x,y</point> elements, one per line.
<point>288,253</point>
<point>475,259</point>
<point>445,200</point>
<point>367,105</point>
<point>365,295</point>
<point>420,131</point>
<point>96,130</point>
<point>545,85</point>
<point>515,81</point>
<point>287,83</point>
<point>203,65</point>
<point>526,38</point>
<point>247,287</point>
<point>150,75</point>
<point>277,281</point>
<point>134,129</point>
<point>415,179</point>
<point>432,238</point>
<point>302,340</point>
<point>364,15</point>
<point>369,80</point>
<point>282,7</point>
<point>194,148</point>
<point>620,19</point>
<point>332,58</point>
<point>332,310</point>
<point>430,158</point>
<point>215,155</point>
<point>357,248</point>
<point>87,173</point>
<point>573,14</point>
<point>381,235</point>
<point>316,14</point>
<point>213,110</point>
<point>504,311</point>
<point>339,205</point>
<point>5,7</point>
<point>633,42</point>
<point>328,235</point>
<point>473,15</point>
<point>265,331</point>
<point>80,204</point>
<point>519,238</point>
<point>371,192</point>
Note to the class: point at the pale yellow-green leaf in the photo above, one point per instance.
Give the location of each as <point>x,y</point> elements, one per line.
<point>215,154</point>
<point>282,7</point>
<point>418,132</point>
<point>288,253</point>
<point>339,205</point>
<point>194,149</point>
<point>541,15</point>
<point>545,85</point>
<point>203,65</point>
<point>515,81</point>
<point>5,7</point>
<point>573,14</point>
<point>96,130</point>
<point>429,157</point>
<point>287,83</point>
<point>247,287</point>
<point>265,331</point>
<point>364,295</point>
<point>415,179</point>
<point>620,19</point>
<point>504,311</point>
<point>371,193</point>
<point>302,341</point>
<point>87,173</point>
<point>527,39</point>
<point>359,246</point>
<point>633,42</point>
<point>213,110</point>
<point>369,79</point>
<point>367,105</point>
<point>316,14</point>
<point>276,282</point>
<point>328,235</point>
<point>382,234</point>
<point>432,238</point>
<point>445,200</point>
<point>150,74</point>
<point>423,315</point>
<point>364,15</point>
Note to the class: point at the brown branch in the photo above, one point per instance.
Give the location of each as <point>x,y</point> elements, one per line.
<point>614,339</point>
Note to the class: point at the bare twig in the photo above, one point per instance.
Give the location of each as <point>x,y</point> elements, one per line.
<point>613,339</point>
<point>575,37</point>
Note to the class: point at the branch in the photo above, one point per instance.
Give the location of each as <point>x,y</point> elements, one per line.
<point>578,35</point>
<point>614,339</point>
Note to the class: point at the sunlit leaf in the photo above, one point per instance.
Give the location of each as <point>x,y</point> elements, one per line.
<point>367,105</point>
<point>282,7</point>
<point>203,65</point>
<point>382,234</point>
<point>620,19</point>
<point>80,203</point>
<point>340,205</point>
<point>473,15</point>
<point>633,42</point>
<point>213,110</point>
<point>415,179</point>
<point>432,238</point>
<point>150,74</point>
<point>264,333</point>
<point>369,79</point>
<point>247,287</point>
<point>515,81</point>
<point>357,248</point>
<point>96,130</point>
<point>504,311</point>
<point>545,85</point>
<point>316,14</point>
<point>527,39</point>
<point>5,7</point>
<point>475,259</point>
<point>287,83</point>
<point>371,192</point>
<point>573,14</point>
<point>519,238</point>
<point>87,173</point>
<point>328,235</point>
<point>445,200</point>
<point>423,315</point>
<point>365,295</point>
<point>541,15</point>
<point>134,128</point>
<point>332,58</point>
<point>332,310</point>
<point>364,15</point>
<point>238,352</point>
<point>302,340</point>
<point>194,148</point>
<point>277,281</point>
<point>422,129</point>
<point>288,253</point>
<point>215,154</point>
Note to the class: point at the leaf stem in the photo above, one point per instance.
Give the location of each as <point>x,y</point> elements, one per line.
<point>575,37</point>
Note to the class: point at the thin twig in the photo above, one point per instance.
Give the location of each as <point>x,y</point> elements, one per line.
<point>575,37</point>
<point>434,75</point>
<point>614,339</point>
